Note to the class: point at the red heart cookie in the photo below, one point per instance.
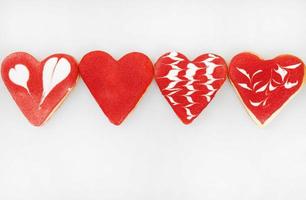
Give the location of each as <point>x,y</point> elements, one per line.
<point>39,87</point>
<point>189,86</point>
<point>265,85</point>
<point>117,86</point>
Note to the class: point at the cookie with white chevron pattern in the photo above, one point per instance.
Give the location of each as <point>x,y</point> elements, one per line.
<point>189,86</point>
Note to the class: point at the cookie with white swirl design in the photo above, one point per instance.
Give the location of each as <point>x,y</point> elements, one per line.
<point>38,88</point>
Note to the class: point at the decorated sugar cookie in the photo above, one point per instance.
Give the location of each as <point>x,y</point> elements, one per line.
<point>189,86</point>
<point>39,88</point>
<point>265,85</point>
<point>117,86</point>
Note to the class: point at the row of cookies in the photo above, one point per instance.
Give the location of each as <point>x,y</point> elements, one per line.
<point>39,87</point>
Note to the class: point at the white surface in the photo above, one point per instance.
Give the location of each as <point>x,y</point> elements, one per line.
<point>79,155</point>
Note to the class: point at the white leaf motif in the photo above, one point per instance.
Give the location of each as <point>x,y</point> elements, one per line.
<point>255,84</point>
<point>292,66</point>
<point>20,75</point>
<point>244,73</point>
<point>245,86</point>
<point>257,72</point>
<point>55,71</point>
<point>289,85</point>
<point>271,87</point>
<point>280,71</point>
<point>261,89</point>
<point>255,103</point>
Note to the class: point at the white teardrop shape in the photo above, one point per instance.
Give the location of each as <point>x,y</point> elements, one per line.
<point>54,71</point>
<point>20,75</point>
<point>289,85</point>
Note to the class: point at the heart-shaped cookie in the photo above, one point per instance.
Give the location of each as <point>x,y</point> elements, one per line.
<point>265,85</point>
<point>117,86</point>
<point>39,87</point>
<point>189,86</point>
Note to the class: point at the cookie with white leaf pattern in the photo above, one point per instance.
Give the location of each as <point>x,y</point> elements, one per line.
<point>39,88</point>
<point>265,86</point>
<point>189,86</point>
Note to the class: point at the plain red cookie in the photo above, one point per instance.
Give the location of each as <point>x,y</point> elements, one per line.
<point>117,86</point>
<point>189,86</point>
<point>39,88</point>
<point>265,86</point>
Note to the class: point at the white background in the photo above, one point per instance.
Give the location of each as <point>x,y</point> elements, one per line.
<point>223,155</point>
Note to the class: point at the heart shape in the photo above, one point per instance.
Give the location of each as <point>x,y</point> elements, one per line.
<point>38,88</point>
<point>189,86</point>
<point>265,85</point>
<point>117,86</point>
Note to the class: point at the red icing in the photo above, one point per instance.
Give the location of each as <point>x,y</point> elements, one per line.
<point>266,91</point>
<point>29,97</point>
<point>117,86</point>
<point>189,86</point>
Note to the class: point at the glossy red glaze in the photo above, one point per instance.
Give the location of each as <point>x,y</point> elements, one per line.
<point>117,86</point>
